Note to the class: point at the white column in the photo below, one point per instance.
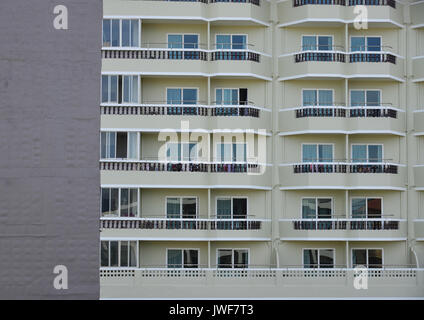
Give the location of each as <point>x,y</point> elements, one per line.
<point>209,254</point>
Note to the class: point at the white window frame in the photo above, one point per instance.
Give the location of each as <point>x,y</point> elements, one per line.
<point>182,97</point>
<point>231,42</point>
<point>122,82</point>
<point>317,144</point>
<point>366,200</point>
<point>365,90</point>
<point>120,32</point>
<point>232,151</point>
<point>181,206</point>
<point>182,152</point>
<point>119,253</point>
<point>238,95</point>
<point>182,38</point>
<point>182,250</point>
<point>232,209</point>
<point>318,262</point>
<point>367,157</point>
<point>232,256</point>
<point>316,39</point>
<point>366,249</point>
<point>128,145</point>
<point>119,201</point>
<point>365,36</point>
<point>317,90</point>
<point>316,205</point>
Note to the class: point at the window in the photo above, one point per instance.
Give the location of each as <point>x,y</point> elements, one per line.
<point>370,258</point>
<point>183,41</point>
<point>318,258</point>
<point>320,43</point>
<point>313,97</point>
<point>181,151</point>
<point>120,89</point>
<point>367,153</point>
<point>120,33</point>
<point>313,208</point>
<point>233,258</point>
<point>367,208</point>
<point>119,202</point>
<point>231,152</point>
<point>119,145</point>
<point>181,207</point>
<point>231,208</point>
<point>365,98</point>
<point>365,43</point>
<point>231,41</point>
<point>118,254</point>
<point>317,153</point>
<point>181,96</point>
<point>231,96</point>
<point>183,258</point>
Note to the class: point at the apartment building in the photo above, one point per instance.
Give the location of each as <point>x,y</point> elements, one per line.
<point>262,149</point>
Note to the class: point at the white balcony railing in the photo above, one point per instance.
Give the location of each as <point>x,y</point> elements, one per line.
<point>346,224</point>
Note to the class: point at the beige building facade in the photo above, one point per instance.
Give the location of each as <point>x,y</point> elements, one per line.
<point>262,149</point>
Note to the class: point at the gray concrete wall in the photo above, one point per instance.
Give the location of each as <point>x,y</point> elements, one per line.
<point>49,124</point>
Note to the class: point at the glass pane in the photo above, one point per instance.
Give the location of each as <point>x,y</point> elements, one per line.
<point>104,255</point>
<point>241,258</point>
<point>309,208</point>
<point>175,259</point>
<point>357,98</point>
<point>173,208</point>
<point>309,153</point>
<point>375,258</point>
<point>227,96</point>
<point>375,153</point>
<point>191,258</point>
<point>359,208</point>
<point>132,145</point>
<point>189,151</point>
<point>325,43</point>
<point>374,208</point>
<point>223,208</point>
<point>359,257</point>
<point>239,208</point>
<point>133,253</point>
<point>359,153</point>
<point>114,201</point>
<point>124,202</point>
<point>114,254</point>
<point>325,97</point>
<point>113,89</point>
<point>191,41</point>
<point>324,208</point>
<point>134,34</point>
<point>310,258</point>
<point>127,89</point>
<point>189,96</point>
<point>121,145</point>
<point>111,145</point>
<point>373,98</point>
<point>134,90</point>
<point>357,43</point>
<point>326,258</point>
<point>225,258</point>
<point>133,203</point>
<point>218,96</point>
<point>325,153</point>
<point>103,142</point>
<point>224,152</point>
<point>173,96</point>
<point>175,41</point>
<point>309,97</point>
<point>239,41</point>
<point>309,43</point>
<point>374,44</point>
<point>106,33</point>
<point>223,41</point>
<point>105,201</point>
<point>105,88</point>
<point>124,254</point>
<point>189,208</point>
<point>115,33</point>
<point>239,152</point>
<point>173,152</point>
<point>125,33</point>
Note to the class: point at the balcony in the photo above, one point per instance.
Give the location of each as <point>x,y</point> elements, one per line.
<point>251,283</point>
<point>201,116</point>
<point>343,229</point>
<point>199,174</point>
<point>341,119</point>
<point>339,64</point>
<point>332,175</point>
<point>418,68</point>
<point>255,11</point>
<point>179,229</point>
<point>381,13</point>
